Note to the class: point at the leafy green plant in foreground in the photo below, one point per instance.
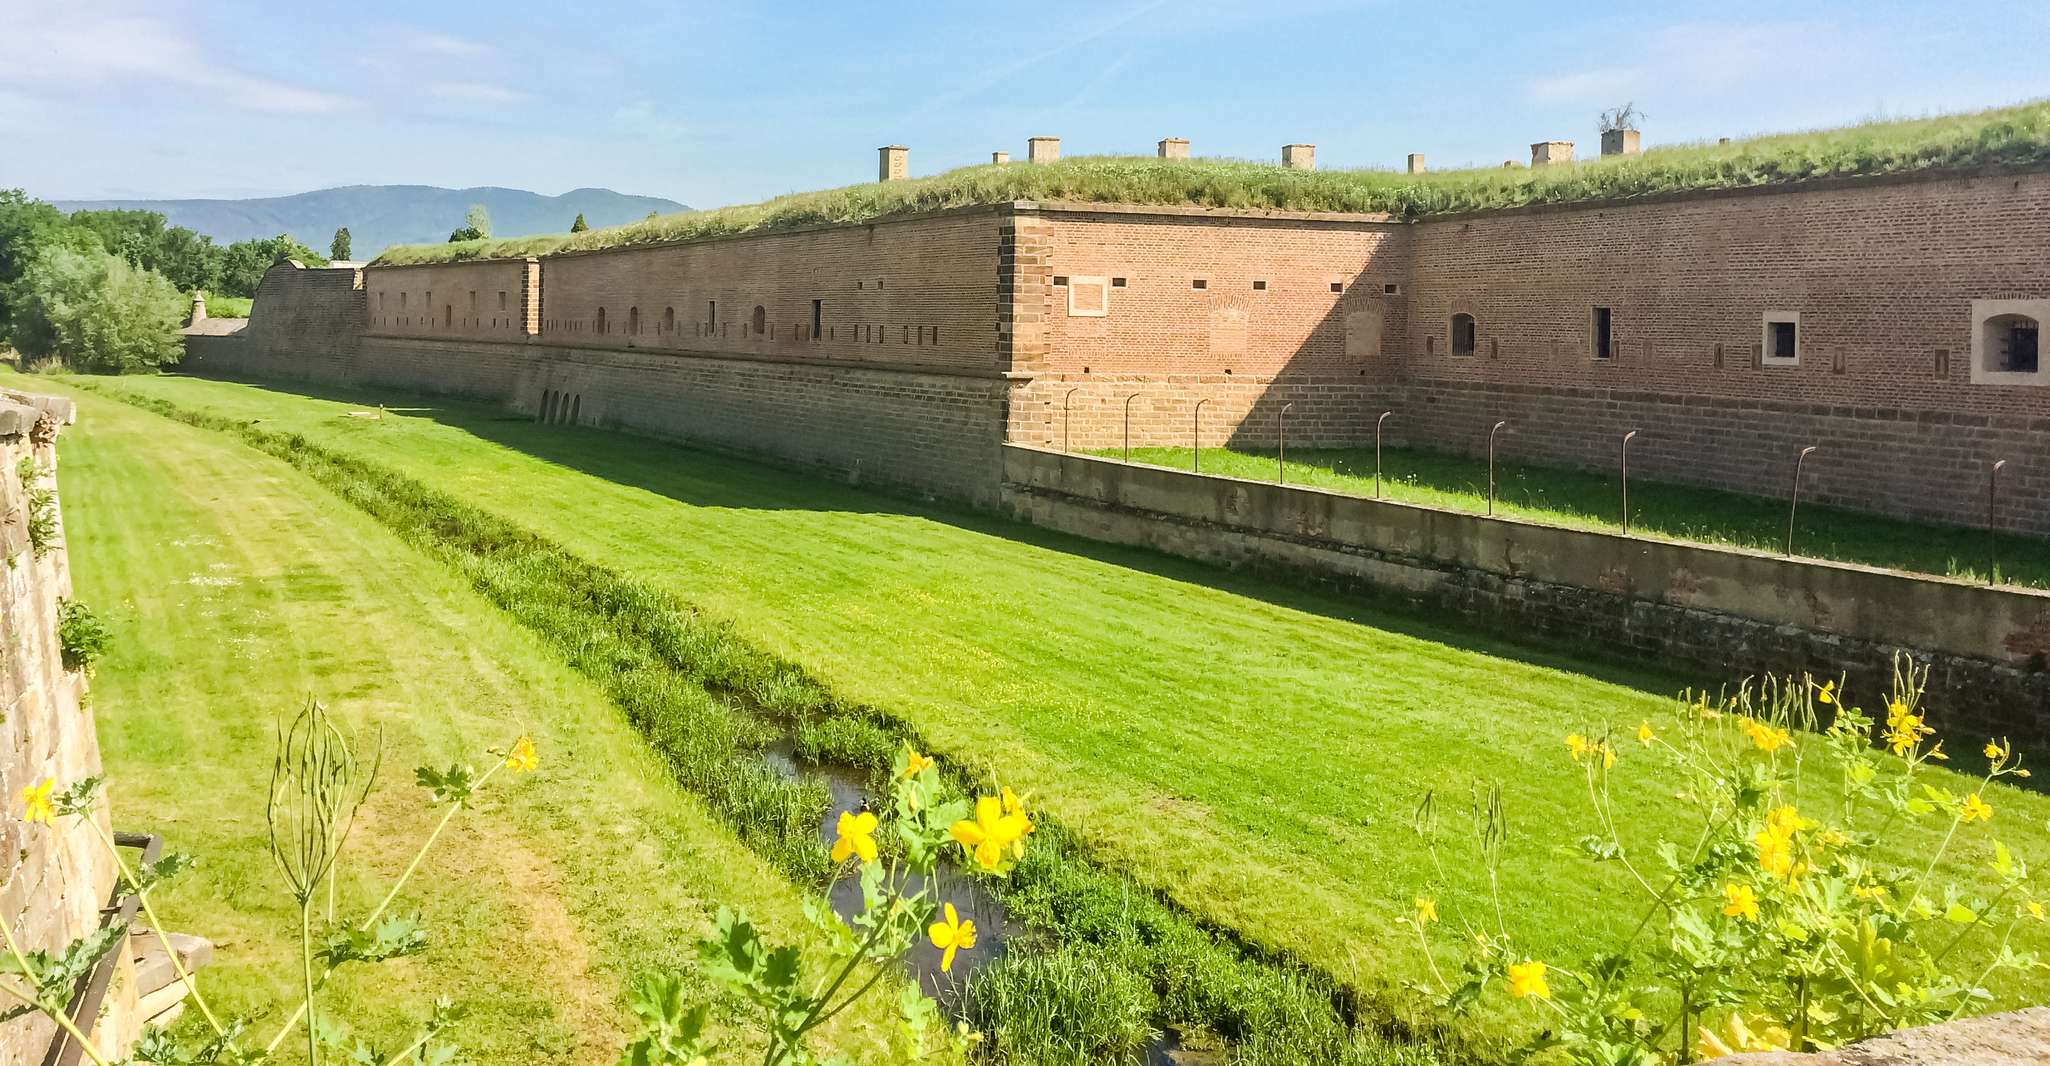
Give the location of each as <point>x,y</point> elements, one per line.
<point>316,786</point>
<point>81,636</point>
<point>1778,927</point>
<point>897,904</point>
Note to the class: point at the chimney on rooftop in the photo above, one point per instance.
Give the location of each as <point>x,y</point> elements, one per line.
<point>891,166</point>
<point>1174,148</point>
<point>1000,158</point>
<point>1546,153</point>
<point>198,308</point>
<point>1042,149</point>
<point>1299,156</point>
<point>1416,162</point>
<point>1620,142</point>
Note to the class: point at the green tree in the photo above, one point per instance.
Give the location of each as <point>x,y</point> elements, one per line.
<point>579,225</point>
<point>97,312</point>
<point>339,248</point>
<point>189,259</point>
<point>27,226</point>
<point>245,261</point>
<point>479,219</point>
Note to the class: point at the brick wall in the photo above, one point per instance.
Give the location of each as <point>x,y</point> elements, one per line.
<point>487,300</point>
<point>53,881</point>
<point>304,325</point>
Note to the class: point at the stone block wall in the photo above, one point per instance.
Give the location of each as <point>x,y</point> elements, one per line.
<point>486,300</point>
<point>53,881</point>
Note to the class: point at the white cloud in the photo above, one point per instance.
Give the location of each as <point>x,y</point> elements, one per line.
<point>1707,56</point>
<point>443,44</point>
<point>49,45</point>
<point>477,92</point>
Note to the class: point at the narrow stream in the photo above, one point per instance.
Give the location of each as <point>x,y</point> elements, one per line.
<point>847,789</point>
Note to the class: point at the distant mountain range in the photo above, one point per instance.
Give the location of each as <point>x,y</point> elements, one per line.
<point>381,215</point>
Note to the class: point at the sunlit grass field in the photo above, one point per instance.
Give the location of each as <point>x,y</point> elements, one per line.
<point>1594,501</point>
<point>235,588</point>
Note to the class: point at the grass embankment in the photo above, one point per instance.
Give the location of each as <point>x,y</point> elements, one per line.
<point>2018,134</point>
<point>221,305</point>
<point>234,586</point>
<point>1247,750</point>
<point>1585,500</point>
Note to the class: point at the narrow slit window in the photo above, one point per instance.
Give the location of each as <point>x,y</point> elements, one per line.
<point>818,317</point>
<point>1604,337</point>
<point>1199,283</point>
<point>1464,331</point>
<point>761,320</point>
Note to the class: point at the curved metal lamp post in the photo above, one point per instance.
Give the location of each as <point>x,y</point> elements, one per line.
<point>1128,426</point>
<point>1626,479</point>
<point>1377,451</point>
<point>1992,515</point>
<point>1281,444</point>
<point>1491,463</point>
<point>1197,458</point>
<point>1068,420</point>
<point>1795,503</point>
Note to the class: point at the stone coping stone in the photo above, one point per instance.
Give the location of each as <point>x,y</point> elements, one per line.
<point>2018,1038</point>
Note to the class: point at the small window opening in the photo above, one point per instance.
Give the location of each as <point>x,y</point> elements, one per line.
<point>818,317</point>
<point>1782,343</point>
<point>1338,286</point>
<point>711,316</point>
<point>633,321</point>
<point>669,320</point>
<point>1430,345</point>
<point>1199,283</point>
<point>1604,337</point>
<point>1463,334</point>
<point>2010,344</point>
<point>599,320</point>
<point>501,299</point>
<point>473,299</point>
<point>761,320</point>
<point>1259,286</point>
<point>1942,364</point>
<point>1391,289</point>
<point>448,315</point>
<point>1117,283</point>
<point>402,300</point>
<point>1060,280</point>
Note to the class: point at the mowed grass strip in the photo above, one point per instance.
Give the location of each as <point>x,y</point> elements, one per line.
<point>1585,500</point>
<point>235,587</point>
<point>1250,750</point>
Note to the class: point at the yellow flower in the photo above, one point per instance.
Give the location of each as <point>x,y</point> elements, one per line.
<point>35,801</point>
<point>1426,909</point>
<point>1528,979</point>
<point>1776,843</point>
<point>1768,738</point>
<point>1644,733</point>
<point>2035,910</point>
<point>992,832</point>
<point>1827,693</point>
<point>521,759</point>
<point>1742,902</point>
<point>950,936</point>
<point>1576,745</point>
<point>1975,810</point>
<point>1018,820</point>
<point>914,763</point>
<point>1740,1039</point>
<point>1875,893</point>
<point>1608,754</point>
<point>857,837</point>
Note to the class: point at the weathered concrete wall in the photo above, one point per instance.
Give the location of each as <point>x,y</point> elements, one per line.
<point>1730,612</point>
<point>53,881</point>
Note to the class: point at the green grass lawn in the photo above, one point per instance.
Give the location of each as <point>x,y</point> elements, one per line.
<point>221,305</point>
<point>1250,750</point>
<point>1593,501</point>
<point>234,587</point>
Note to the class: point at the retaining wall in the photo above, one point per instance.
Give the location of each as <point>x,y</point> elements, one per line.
<point>1722,612</point>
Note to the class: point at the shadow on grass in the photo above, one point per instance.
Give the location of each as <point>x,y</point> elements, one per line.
<point>707,477</point>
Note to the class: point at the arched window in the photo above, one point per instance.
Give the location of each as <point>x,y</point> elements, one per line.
<point>2008,344</point>
<point>633,321</point>
<point>1462,334</point>
<point>600,320</point>
<point>761,322</point>
<point>669,320</point>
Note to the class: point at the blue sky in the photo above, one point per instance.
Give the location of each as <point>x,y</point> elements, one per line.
<point>715,104</point>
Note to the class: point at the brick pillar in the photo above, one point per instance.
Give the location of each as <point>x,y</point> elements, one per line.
<point>1416,162</point>
<point>530,299</point>
<point>1299,156</point>
<point>1042,149</point>
<point>891,164</point>
<point>1548,153</point>
<point>1174,148</point>
<point>1024,291</point>
<point>1620,142</point>
<point>1000,158</point>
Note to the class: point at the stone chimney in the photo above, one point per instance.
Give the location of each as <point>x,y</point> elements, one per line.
<point>1299,156</point>
<point>893,164</point>
<point>1546,153</point>
<point>1620,142</point>
<point>1174,148</point>
<point>198,308</point>
<point>1042,149</point>
<point>1000,158</point>
<point>1416,162</point>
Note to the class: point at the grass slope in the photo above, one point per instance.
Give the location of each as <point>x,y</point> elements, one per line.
<point>1585,500</point>
<point>1249,750</point>
<point>2009,135</point>
<point>235,587</point>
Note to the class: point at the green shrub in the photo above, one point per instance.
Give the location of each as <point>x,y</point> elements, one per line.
<point>96,313</point>
<point>39,505</point>
<point>1064,1005</point>
<point>80,634</point>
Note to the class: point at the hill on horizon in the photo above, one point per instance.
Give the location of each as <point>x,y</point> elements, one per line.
<point>382,215</point>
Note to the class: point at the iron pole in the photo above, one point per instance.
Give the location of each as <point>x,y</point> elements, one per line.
<point>1377,452</point>
<point>1626,479</point>
<point>1795,504</point>
<point>1491,463</point>
<point>1281,444</point>
<point>1197,458</point>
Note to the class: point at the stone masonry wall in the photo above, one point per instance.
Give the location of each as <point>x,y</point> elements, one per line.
<point>53,881</point>
<point>1724,614</point>
<point>304,325</point>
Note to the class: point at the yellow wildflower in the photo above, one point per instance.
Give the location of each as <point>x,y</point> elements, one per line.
<point>950,936</point>
<point>1426,909</point>
<point>1876,893</point>
<point>1528,979</point>
<point>1827,693</point>
<point>1577,745</point>
<point>2035,910</point>
<point>1975,810</point>
<point>1776,843</point>
<point>1644,733</point>
<point>521,759</point>
<point>992,832</point>
<point>857,837</point>
<point>1741,902</point>
<point>914,763</point>
<point>1740,1039</point>
<point>35,801</point>
<point>1768,738</point>
<point>1607,753</point>
<point>1996,751</point>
